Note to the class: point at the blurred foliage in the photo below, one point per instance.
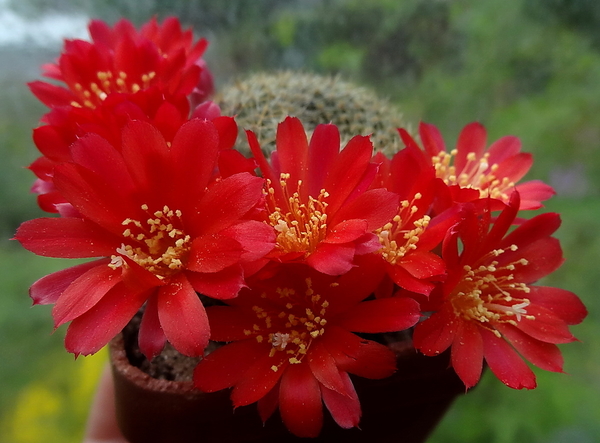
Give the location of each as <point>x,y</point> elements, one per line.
<point>581,16</point>
<point>524,67</point>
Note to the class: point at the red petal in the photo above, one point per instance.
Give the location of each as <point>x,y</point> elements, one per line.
<point>564,304</point>
<point>324,368</point>
<point>259,379</point>
<point>544,257</point>
<point>423,264</point>
<point>65,237</point>
<point>533,192</point>
<point>383,315</point>
<point>228,131</point>
<point>257,238</point>
<point>300,401</point>
<point>376,206</point>
<point>146,155</point>
<point>347,171</point>
<point>431,138</point>
<point>213,253</point>
<point>505,363</point>
<point>358,356</point>
<point>227,201</point>
<point>51,95</point>
<point>503,148</point>
<point>366,244</point>
<point>332,259</point>
<point>403,279</point>
<point>268,404</point>
<point>84,293</point>
<point>514,168</point>
<point>410,172</point>
<point>322,152</point>
<point>89,332</point>
<point>151,336</point>
<point>93,196</point>
<point>227,323</point>
<point>467,353</point>
<point>264,166</point>
<point>194,151</point>
<point>225,366</point>
<point>544,355</point>
<point>434,335</point>
<point>501,225</point>
<point>221,285</point>
<point>183,317</point>
<point>138,277</point>
<point>533,229</point>
<point>546,326</point>
<point>46,290</point>
<point>100,32</point>
<point>345,409</point>
<point>51,202</point>
<point>346,231</point>
<point>365,183</point>
<point>51,143</point>
<point>356,285</point>
<point>292,149</point>
<point>471,139</point>
<point>98,155</point>
<point>233,162</point>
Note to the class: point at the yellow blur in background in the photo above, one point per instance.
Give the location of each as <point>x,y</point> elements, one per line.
<point>52,408</point>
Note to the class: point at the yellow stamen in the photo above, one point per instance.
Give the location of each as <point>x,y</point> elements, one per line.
<point>292,337</point>
<point>158,246</point>
<point>300,226</point>
<point>477,174</point>
<point>95,92</point>
<point>489,293</point>
<point>400,236</point>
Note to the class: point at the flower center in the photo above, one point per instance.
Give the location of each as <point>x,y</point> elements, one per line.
<point>158,246</point>
<point>300,226</point>
<point>401,235</point>
<point>489,293</point>
<point>95,92</point>
<point>477,174</point>
<point>291,330</point>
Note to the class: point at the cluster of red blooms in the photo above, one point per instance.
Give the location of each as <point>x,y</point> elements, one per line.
<point>304,250</point>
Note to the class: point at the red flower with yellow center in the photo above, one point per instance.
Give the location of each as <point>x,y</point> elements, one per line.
<point>408,239</point>
<point>123,60</point>
<point>489,309</point>
<point>164,227</point>
<point>493,173</point>
<point>317,197</point>
<point>291,345</point>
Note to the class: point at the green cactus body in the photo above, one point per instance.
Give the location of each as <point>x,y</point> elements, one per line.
<point>262,100</point>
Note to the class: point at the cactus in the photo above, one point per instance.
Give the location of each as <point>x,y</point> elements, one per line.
<point>263,100</point>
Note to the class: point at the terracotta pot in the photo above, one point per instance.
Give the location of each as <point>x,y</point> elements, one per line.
<point>404,407</point>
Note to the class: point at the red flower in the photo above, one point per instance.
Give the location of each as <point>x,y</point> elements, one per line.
<point>66,124</point>
<point>291,344</point>
<point>488,308</point>
<point>317,197</point>
<point>124,60</point>
<point>408,239</point>
<point>164,229</point>
<point>492,173</point>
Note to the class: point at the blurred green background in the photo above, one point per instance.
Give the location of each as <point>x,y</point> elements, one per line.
<point>530,68</point>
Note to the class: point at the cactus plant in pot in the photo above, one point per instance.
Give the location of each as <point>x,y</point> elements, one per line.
<point>316,289</point>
